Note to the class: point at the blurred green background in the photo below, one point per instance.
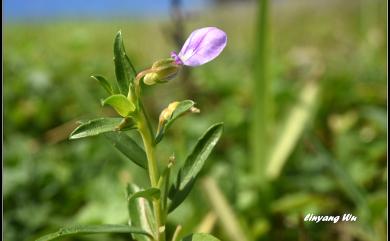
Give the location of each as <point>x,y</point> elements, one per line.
<point>326,121</point>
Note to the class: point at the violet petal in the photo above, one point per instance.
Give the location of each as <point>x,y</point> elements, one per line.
<point>176,58</point>
<point>202,46</point>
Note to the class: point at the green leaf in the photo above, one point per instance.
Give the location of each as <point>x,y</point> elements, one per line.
<point>193,165</point>
<point>150,194</point>
<point>124,70</point>
<point>182,108</point>
<point>140,212</point>
<point>93,229</point>
<point>129,148</point>
<point>164,182</point>
<point>101,125</point>
<point>120,103</point>
<point>200,237</point>
<point>104,83</point>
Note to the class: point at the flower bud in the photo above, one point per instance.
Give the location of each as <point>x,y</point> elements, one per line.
<point>167,112</point>
<point>161,71</point>
<point>173,111</point>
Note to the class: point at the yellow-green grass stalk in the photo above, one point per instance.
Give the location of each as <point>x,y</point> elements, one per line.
<point>292,129</point>
<point>261,94</point>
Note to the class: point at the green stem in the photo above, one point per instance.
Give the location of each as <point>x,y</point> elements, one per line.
<point>261,95</point>
<point>149,149</point>
<point>148,140</point>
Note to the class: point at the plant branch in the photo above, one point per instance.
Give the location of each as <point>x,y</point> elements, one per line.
<point>146,132</point>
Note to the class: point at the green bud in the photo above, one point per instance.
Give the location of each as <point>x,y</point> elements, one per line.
<point>161,71</point>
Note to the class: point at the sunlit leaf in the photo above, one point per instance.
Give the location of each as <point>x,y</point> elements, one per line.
<point>120,103</point>
<point>124,70</point>
<point>101,125</point>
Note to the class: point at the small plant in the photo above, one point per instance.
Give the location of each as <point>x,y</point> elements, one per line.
<point>148,208</point>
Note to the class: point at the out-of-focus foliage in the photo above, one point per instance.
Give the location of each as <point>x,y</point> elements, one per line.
<point>338,165</point>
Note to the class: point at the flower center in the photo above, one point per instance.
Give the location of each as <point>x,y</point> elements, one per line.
<point>176,57</point>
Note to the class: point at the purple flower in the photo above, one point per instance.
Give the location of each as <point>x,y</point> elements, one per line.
<point>202,46</point>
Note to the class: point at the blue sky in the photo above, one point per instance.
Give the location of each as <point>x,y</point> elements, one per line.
<point>19,10</point>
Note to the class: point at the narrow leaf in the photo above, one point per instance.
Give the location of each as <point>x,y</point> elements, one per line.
<point>93,229</point>
<point>193,165</point>
<point>182,108</point>
<point>140,212</point>
<point>120,103</point>
<point>200,237</point>
<point>150,194</point>
<point>164,182</point>
<point>129,148</point>
<point>104,83</point>
<point>124,70</point>
<point>101,125</point>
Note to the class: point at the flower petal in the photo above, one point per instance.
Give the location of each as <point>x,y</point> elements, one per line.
<point>202,46</point>
<point>176,58</point>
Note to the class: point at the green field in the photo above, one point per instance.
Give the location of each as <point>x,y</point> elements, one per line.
<point>326,132</point>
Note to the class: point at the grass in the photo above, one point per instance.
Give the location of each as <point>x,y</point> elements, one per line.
<point>326,160</point>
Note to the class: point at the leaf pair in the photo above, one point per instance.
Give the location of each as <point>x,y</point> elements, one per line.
<point>193,165</point>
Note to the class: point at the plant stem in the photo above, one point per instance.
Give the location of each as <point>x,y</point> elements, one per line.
<point>148,140</point>
<point>261,95</point>
<point>149,149</point>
